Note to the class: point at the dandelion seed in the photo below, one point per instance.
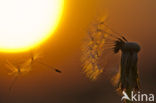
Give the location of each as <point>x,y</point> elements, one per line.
<point>127,79</point>
<point>58,71</point>
<point>50,67</point>
<point>19,69</point>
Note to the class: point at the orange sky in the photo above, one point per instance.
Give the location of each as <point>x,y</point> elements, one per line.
<point>137,17</point>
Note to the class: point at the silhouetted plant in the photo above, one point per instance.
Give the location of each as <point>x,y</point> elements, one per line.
<point>99,36</point>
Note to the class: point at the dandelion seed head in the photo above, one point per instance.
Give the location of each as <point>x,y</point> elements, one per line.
<point>91,56</point>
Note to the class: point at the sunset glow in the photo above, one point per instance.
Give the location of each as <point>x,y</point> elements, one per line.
<point>24,24</point>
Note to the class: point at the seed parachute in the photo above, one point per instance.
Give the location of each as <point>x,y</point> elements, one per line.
<point>19,69</point>
<point>101,37</point>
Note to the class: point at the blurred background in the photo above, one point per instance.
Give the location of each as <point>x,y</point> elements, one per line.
<point>63,51</point>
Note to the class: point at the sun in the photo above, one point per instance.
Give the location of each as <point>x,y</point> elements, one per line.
<point>25,24</point>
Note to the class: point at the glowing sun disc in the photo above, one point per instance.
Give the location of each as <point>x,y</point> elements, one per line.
<point>24,24</point>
